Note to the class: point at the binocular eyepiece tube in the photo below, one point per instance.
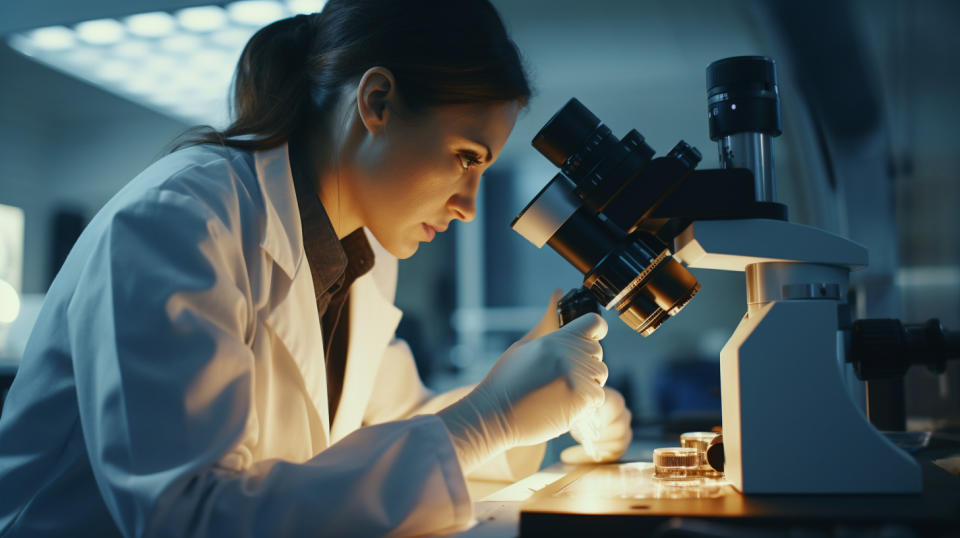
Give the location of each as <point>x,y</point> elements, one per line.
<point>631,273</point>
<point>597,212</point>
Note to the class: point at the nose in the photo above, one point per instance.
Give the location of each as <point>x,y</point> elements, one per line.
<point>463,203</point>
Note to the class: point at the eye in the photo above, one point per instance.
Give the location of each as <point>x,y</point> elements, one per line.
<point>468,159</point>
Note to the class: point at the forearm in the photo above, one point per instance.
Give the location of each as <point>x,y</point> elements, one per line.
<point>323,496</point>
<point>436,402</point>
<point>474,441</point>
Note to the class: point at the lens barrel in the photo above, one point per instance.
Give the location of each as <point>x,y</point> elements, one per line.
<point>566,133</point>
<point>742,96</point>
<point>584,240</point>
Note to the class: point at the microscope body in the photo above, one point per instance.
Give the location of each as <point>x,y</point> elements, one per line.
<point>632,224</point>
<point>790,425</point>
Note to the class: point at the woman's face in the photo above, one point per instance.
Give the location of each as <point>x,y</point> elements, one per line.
<point>422,170</point>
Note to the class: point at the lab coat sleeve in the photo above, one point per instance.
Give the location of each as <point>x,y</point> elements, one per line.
<point>400,393</point>
<point>164,382</point>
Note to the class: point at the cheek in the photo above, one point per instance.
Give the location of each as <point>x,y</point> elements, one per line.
<point>396,207</point>
<point>419,188</point>
<point>409,182</point>
<point>401,193</point>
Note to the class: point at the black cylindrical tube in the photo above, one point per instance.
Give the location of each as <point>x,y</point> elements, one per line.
<point>742,96</point>
<point>583,240</point>
<point>566,132</point>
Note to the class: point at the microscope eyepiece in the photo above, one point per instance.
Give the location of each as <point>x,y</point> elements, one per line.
<point>742,96</point>
<point>743,111</point>
<point>741,74</point>
<point>566,132</point>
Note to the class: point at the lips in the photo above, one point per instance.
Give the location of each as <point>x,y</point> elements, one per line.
<point>430,231</point>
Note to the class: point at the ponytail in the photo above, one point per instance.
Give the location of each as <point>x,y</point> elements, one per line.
<point>271,89</point>
<point>440,52</point>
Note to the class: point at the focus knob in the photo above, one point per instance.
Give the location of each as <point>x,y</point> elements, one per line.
<point>877,346</point>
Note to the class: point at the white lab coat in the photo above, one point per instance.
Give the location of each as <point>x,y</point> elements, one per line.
<point>174,384</point>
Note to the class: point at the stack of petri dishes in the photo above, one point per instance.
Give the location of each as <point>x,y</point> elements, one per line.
<point>701,442</point>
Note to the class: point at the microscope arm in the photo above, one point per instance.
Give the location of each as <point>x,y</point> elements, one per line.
<point>732,245</point>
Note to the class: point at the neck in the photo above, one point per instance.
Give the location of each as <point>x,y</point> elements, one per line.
<point>316,160</point>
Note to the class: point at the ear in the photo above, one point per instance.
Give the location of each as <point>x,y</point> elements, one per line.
<point>376,97</point>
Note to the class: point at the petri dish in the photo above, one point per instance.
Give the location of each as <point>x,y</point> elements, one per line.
<point>676,464</point>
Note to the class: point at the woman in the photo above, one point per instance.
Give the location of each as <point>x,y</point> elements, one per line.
<point>216,356</point>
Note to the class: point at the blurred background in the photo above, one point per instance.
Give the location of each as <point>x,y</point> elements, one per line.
<point>92,92</point>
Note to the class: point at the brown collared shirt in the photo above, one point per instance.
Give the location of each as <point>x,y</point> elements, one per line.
<point>334,265</point>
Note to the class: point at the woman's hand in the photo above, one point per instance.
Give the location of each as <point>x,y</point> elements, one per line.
<point>608,436</point>
<point>532,394</point>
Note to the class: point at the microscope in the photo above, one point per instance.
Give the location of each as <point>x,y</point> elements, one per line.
<point>632,224</point>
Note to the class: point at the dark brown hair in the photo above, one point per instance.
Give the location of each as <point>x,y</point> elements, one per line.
<point>440,52</point>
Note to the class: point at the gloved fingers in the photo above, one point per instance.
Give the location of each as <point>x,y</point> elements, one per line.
<point>618,445</point>
<point>590,348</point>
<point>585,426</point>
<point>588,424</point>
<point>613,407</point>
<point>577,455</point>
<point>612,450</point>
<point>579,359</point>
<point>617,429</point>
<point>589,326</point>
<point>588,392</point>
<point>591,370</point>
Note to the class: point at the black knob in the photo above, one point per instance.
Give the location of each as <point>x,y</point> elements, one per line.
<point>885,348</point>
<point>576,303</point>
<point>877,347</point>
<point>715,453</point>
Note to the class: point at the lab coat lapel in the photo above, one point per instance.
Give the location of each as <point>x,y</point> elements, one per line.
<point>373,322</point>
<point>292,305</point>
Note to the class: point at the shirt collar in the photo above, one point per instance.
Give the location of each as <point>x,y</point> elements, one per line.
<point>324,251</point>
<point>334,263</point>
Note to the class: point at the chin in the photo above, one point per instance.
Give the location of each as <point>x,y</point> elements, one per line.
<point>403,249</point>
<point>399,247</point>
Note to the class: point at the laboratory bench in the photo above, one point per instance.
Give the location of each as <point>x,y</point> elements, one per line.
<point>497,506</point>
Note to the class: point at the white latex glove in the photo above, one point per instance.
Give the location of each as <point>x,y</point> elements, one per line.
<point>612,435</point>
<point>532,394</point>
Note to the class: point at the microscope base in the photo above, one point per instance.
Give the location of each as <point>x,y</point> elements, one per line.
<point>789,424</point>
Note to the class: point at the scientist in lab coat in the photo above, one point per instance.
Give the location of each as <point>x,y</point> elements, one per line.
<point>217,355</point>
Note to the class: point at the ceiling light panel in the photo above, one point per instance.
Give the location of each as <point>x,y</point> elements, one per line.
<point>156,24</point>
<point>101,32</point>
<point>179,63</point>
<point>202,19</point>
<point>256,12</point>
